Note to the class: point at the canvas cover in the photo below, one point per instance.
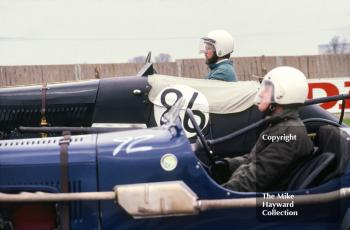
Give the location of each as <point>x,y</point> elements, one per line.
<point>223,97</point>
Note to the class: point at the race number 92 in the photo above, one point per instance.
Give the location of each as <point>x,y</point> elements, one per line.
<point>194,100</point>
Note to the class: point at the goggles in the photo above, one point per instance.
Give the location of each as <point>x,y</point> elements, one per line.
<point>206,46</point>
<point>265,93</point>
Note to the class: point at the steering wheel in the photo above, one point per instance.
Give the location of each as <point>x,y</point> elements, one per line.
<point>200,135</point>
<point>322,120</point>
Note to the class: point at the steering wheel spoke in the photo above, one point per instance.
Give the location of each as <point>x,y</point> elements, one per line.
<point>200,135</point>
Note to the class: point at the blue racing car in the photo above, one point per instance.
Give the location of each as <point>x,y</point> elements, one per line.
<point>154,178</point>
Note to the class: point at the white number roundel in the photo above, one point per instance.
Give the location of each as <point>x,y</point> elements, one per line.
<point>194,100</point>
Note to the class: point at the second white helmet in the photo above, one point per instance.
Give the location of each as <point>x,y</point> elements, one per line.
<point>221,40</point>
<point>287,85</point>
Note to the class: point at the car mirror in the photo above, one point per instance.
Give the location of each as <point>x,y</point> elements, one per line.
<point>173,113</point>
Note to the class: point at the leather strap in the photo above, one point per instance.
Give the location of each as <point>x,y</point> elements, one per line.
<point>64,143</point>
<point>43,99</point>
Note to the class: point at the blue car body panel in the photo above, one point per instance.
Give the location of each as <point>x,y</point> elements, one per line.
<point>100,162</point>
<point>34,165</point>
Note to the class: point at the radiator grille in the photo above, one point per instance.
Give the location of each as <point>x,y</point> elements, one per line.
<point>75,207</point>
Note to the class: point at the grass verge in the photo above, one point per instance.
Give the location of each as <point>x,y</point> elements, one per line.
<point>347,121</point>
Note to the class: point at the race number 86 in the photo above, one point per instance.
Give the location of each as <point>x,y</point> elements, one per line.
<point>194,100</point>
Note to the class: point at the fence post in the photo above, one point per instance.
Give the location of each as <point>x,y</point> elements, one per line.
<point>77,72</point>
<point>179,65</point>
<point>279,61</point>
<point>1,77</point>
<point>263,66</point>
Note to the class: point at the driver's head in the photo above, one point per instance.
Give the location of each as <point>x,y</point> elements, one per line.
<point>216,45</point>
<point>282,86</point>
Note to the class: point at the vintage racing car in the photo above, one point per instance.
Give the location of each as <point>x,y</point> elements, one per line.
<point>153,178</point>
<point>119,103</point>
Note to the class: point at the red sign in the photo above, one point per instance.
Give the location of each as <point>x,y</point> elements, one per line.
<point>330,87</point>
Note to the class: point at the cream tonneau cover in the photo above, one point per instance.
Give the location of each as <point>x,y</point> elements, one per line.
<point>223,97</point>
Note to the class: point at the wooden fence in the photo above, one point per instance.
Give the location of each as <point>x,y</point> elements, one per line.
<point>314,66</point>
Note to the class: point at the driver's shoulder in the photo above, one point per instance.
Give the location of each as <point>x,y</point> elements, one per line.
<point>288,125</point>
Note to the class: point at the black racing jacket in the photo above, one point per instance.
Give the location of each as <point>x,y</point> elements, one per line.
<point>278,150</point>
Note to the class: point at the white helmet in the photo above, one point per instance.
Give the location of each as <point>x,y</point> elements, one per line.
<point>221,40</point>
<point>287,85</point>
